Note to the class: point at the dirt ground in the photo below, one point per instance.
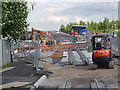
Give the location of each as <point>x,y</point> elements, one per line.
<point>57,55</point>
<point>72,71</point>
<point>81,74</point>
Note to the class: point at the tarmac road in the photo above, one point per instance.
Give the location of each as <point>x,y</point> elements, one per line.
<point>61,36</point>
<point>20,75</point>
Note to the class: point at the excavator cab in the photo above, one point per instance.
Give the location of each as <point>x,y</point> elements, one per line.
<point>101,52</point>
<point>99,42</point>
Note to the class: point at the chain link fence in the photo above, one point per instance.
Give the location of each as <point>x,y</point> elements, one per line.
<point>114,46</point>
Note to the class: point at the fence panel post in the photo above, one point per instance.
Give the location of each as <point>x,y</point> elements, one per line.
<point>37,55</point>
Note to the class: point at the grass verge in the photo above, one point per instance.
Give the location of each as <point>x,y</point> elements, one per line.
<point>9,64</point>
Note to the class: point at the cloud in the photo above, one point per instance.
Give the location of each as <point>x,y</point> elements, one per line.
<point>51,15</point>
<point>78,19</point>
<point>55,19</point>
<point>67,19</point>
<point>58,19</point>
<point>87,9</point>
<point>92,0</point>
<point>63,19</point>
<point>73,0</point>
<point>114,4</point>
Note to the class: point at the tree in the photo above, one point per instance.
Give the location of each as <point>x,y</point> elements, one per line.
<point>89,26</point>
<point>106,24</point>
<point>100,26</point>
<point>14,19</point>
<point>117,24</point>
<point>113,24</point>
<point>62,28</point>
<point>70,25</point>
<point>82,23</point>
<point>67,28</point>
<point>96,27</point>
<point>92,25</point>
<point>75,23</point>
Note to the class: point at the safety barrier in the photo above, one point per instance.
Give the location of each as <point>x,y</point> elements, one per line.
<point>64,46</point>
<point>114,46</point>
<point>24,48</point>
<point>80,45</point>
<point>54,47</point>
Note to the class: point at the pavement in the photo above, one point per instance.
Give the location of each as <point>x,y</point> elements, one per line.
<point>20,75</point>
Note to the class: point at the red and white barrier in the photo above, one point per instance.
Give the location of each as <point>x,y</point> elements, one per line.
<point>54,47</point>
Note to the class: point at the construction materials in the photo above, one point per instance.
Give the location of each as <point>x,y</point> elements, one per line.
<point>65,57</point>
<point>83,57</point>
<point>57,55</point>
<point>38,83</point>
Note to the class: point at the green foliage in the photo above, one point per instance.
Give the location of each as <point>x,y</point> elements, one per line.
<point>68,27</point>
<point>92,25</point>
<point>100,25</point>
<point>9,64</point>
<point>89,26</point>
<point>96,26</point>
<point>14,19</point>
<point>105,26</point>
<point>82,23</point>
<point>62,28</point>
<point>112,24</point>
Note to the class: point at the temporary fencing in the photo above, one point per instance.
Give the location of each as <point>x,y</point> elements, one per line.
<point>80,45</point>
<point>32,50</point>
<point>114,45</point>
<point>53,47</point>
<point>23,49</point>
<point>64,46</point>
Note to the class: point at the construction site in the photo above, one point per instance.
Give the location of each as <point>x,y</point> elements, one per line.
<point>62,61</point>
<point>60,45</point>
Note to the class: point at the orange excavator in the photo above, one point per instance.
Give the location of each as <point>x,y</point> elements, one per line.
<point>42,35</point>
<point>101,54</point>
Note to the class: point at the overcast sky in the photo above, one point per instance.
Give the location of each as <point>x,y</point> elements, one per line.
<point>49,15</point>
